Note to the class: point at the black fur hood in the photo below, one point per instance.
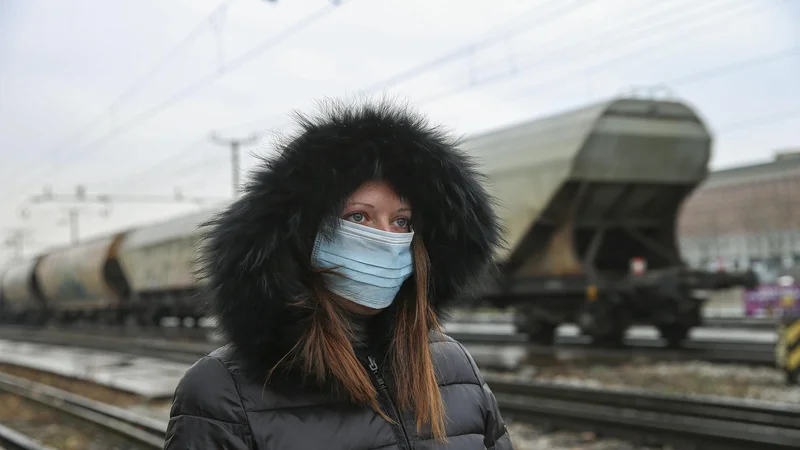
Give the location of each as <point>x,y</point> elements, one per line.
<point>256,254</point>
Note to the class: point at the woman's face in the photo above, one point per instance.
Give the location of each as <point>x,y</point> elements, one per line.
<point>375,204</point>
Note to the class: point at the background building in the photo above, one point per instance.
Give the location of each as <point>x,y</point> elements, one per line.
<point>746,217</point>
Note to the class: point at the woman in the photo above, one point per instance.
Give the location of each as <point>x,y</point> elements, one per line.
<point>328,277</point>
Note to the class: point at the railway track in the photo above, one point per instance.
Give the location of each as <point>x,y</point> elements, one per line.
<point>140,431</point>
<point>646,418</point>
<point>179,348</point>
<point>729,351</point>
<point>638,416</point>
<point>749,323</point>
<point>13,440</point>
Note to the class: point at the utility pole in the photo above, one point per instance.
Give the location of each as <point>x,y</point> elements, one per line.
<point>235,145</point>
<point>16,240</point>
<point>73,225</point>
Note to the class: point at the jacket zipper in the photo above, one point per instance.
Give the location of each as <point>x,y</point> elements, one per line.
<point>373,367</point>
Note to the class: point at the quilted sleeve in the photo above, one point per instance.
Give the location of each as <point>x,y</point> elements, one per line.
<point>207,411</point>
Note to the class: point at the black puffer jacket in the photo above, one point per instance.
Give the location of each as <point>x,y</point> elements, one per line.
<point>256,260</point>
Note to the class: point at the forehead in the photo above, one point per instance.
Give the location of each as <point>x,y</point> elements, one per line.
<point>376,193</point>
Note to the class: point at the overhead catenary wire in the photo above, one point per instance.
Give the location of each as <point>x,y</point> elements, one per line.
<point>758,121</point>
<point>633,29</point>
<point>493,38</point>
<point>462,51</point>
<point>184,93</point>
<point>167,162</point>
<point>583,71</point>
<point>140,82</point>
<point>694,76</point>
<point>474,86</point>
<point>498,35</point>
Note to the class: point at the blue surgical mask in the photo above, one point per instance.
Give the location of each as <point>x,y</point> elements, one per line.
<point>371,264</point>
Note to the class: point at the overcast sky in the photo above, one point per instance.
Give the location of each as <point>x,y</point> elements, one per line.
<point>65,65</point>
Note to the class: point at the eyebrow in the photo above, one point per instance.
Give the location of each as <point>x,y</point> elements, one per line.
<point>373,207</point>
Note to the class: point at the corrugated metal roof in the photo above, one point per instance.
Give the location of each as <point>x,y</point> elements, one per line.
<point>777,168</point>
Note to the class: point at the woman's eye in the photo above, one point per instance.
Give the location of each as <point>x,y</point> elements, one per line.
<point>356,217</point>
<point>402,222</point>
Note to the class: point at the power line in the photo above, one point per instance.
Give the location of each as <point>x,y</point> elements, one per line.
<point>153,171</point>
<point>619,32</point>
<point>228,68</point>
<point>692,77</point>
<point>141,81</point>
<point>581,72</point>
<point>466,50</point>
<point>397,78</point>
<point>497,36</point>
<point>189,90</point>
<point>184,152</point>
<point>754,122</point>
<point>485,42</point>
<point>492,38</point>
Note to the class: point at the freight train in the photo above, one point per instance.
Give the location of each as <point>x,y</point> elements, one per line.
<point>136,276</point>
<point>588,199</point>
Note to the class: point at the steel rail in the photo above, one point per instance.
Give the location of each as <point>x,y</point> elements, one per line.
<point>727,351</point>
<point>690,422</point>
<point>144,431</point>
<point>13,440</point>
<point>743,352</point>
<point>745,323</point>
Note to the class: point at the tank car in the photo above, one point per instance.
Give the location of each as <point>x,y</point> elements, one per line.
<point>589,200</point>
<point>158,263</point>
<point>22,300</point>
<point>84,282</point>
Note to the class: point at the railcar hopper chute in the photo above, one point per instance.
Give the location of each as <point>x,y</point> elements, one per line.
<point>583,195</point>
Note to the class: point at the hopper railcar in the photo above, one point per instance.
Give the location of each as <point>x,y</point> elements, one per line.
<point>587,194</point>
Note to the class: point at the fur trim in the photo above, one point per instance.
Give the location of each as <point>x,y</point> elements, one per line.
<point>256,254</point>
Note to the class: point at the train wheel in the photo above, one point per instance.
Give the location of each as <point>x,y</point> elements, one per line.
<point>540,332</point>
<point>605,322</point>
<point>537,330</point>
<point>614,338</point>
<point>792,377</point>
<point>674,334</point>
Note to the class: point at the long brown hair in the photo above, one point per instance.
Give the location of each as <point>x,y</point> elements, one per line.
<point>326,354</point>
